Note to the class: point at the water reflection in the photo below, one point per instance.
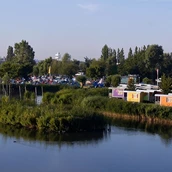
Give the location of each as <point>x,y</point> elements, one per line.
<point>20,135</point>
<point>164,131</point>
<point>130,146</point>
<point>128,127</point>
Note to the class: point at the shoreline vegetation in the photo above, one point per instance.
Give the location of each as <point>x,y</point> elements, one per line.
<point>140,119</point>
<point>78,110</point>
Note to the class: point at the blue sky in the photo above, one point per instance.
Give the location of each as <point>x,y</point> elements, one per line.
<point>83,27</point>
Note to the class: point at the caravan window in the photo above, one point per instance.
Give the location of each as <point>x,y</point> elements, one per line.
<point>110,90</point>
<point>169,99</point>
<point>157,99</point>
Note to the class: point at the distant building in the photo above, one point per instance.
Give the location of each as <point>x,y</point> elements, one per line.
<point>79,74</point>
<point>58,56</point>
<point>2,59</point>
<point>124,79</point>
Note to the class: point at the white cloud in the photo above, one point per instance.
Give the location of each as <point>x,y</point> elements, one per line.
<point>89,7</point>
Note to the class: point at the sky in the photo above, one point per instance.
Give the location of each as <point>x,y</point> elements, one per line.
<point>82,27</point>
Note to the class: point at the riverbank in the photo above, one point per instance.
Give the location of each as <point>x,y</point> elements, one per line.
<point>140,118</point>
<point>50,118</point>
<point>78,110</point>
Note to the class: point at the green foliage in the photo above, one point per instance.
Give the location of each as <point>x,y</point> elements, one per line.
<point>166,83</point>
<point>32,96</point>
<point>47,97</point>
<point>66,58</point>
<point>65,98</point>
<point>147,80</point>
<point>121,56</point>
<point>20,63</point>
<point>64,67</point>
<point>142,61</point>
<point>5,99</point>
<point>105,53</point>
<point>95,102</point>
<point>115,80</point>
<point>96,69</point>
<point>138,109</point>
<point>50,118</point>
<point>27,95</point>
<point>153,58</point>
<point>130,85</point>
<point>6,79</point>
<point>75,110</point>
<point>130,53</point>
<point>82,79</point>
<point>10,53</point>
<point>23,52</point>
<point>108,81</point>
<point>36,70</point>
<point>13,69</point>
<point>42,67</point>
<point>96,92</point>
<point>69,68</point>
<point>55,67</point>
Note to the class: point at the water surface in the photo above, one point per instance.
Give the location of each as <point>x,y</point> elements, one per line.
<point>124,149</point>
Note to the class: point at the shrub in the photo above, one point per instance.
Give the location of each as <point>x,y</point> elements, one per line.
<point>96,102</point>
<point>47,97</point>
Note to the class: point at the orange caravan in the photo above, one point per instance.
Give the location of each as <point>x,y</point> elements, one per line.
<point>163,99</point>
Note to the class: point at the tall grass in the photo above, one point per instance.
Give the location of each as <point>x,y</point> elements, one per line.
<point>74,110</point>
<point>51,117</point>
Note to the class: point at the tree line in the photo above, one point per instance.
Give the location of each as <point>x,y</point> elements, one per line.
<point>143,61</point>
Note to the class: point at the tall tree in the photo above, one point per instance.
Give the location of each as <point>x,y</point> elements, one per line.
<point>114,56</point>
<point>121,56</point>
<point>66,58</point>
<point>130,85</point>
<point>111,67</point>
<point>105,53</point>
<point>55,67</point>
<point>10,54</point>
<point>166,83</point>
<point>153,59</point>
<point>136,50</point>
<point>167,65</point>
<point>35,70</point>
<point>115,80</point>
<point>88,61</point>
<point>118,56</point>
<point>69,69</point>
<point>96,69</point>
<point>144,48</point>
<point>13,69</point>
<point>130,53</point>
<point>24,52</point>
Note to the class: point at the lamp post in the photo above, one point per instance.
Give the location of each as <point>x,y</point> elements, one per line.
<point>157,73</point>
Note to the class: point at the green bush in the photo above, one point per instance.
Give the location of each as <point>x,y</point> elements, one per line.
<point>27,95</point>
<point>95,102</point>
<point>150,110</point>
<point>47,97</point>
<point>50,117</point>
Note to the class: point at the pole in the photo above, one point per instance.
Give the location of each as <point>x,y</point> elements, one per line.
<point>157,71</point>
<point>35,94</point>
<point>9,90</point>
<point>20,91</point>
<point>42,90</point>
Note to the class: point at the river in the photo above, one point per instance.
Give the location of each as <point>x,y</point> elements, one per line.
<point>126,148</point>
